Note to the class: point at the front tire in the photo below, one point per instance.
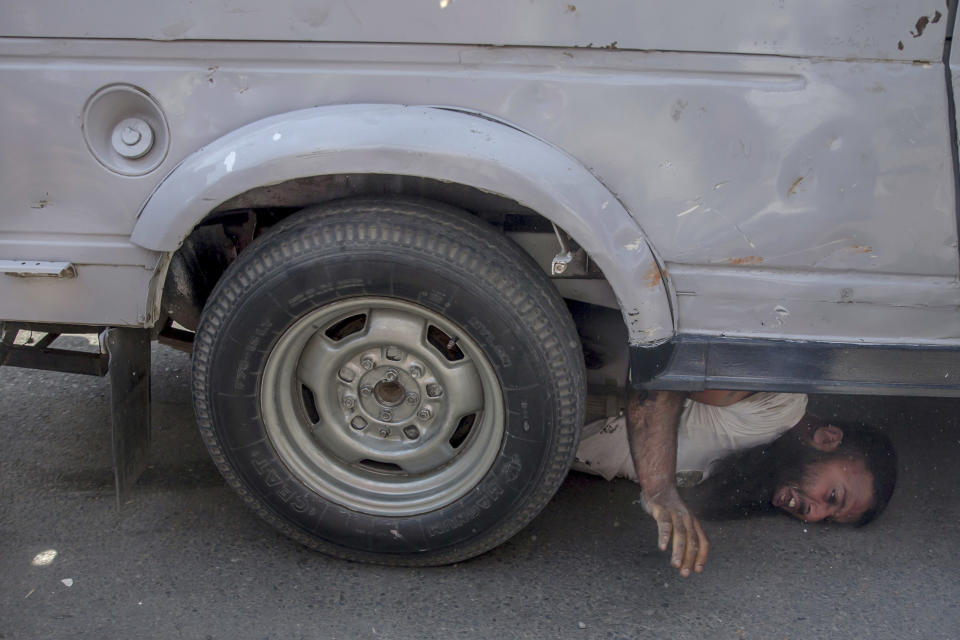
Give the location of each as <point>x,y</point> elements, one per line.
<point>389,381</point>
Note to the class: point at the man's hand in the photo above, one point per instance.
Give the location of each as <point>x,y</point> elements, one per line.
<point>652,422</point>
<point>690,545</point>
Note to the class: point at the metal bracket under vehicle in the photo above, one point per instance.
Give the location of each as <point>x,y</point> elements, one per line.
<point>125,355</point>
<point>571,261</point>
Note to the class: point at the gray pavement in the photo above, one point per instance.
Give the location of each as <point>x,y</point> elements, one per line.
<point>186,560</point>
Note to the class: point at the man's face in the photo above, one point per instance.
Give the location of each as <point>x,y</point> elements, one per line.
<point>837,489</point>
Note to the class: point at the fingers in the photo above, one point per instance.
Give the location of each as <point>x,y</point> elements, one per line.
<point>704,547</point>
<point>679,542</point>
<point>664,529</point>
<point>692,546</point>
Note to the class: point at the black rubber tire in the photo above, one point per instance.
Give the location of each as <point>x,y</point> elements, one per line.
<point>444,259</point>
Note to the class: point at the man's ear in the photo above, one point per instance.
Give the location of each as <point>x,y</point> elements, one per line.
<point>826,438</point>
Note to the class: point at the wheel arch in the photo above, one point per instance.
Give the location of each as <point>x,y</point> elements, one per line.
<point>438,143</point>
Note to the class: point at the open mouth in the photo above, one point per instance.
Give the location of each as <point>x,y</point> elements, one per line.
<point>788,499</point>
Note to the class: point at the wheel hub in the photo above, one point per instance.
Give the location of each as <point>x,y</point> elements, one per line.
<point>386,411</point>
<point>388,393</point>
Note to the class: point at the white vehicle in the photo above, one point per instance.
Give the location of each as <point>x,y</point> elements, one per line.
<point>390,231</point>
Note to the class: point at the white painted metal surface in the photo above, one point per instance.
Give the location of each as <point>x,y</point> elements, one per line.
<point>427,142</point>
<point>873,29</point>
<point>824,168</point>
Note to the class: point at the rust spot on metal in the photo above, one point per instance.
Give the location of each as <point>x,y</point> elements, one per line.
<point>745,260</point>
<point>571,8</point>
<point>653,277</point>
<point>936,17</point>
<point>861,248</point>
<point>793,187</point>
<point>922,23</point>
<point>900,45</point>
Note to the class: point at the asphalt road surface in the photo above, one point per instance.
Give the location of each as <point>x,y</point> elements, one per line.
<point>185,559</point>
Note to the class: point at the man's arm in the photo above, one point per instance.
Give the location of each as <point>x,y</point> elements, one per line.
<point>652,424</point>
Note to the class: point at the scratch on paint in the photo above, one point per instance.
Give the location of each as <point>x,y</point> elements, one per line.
<point>650,332</point>
<point>793,187</point>
<point>690,210</point>
<point>735,226</point>
<point>745,236</point>
<point>633,246</point>
<point>697,203</point>
<point>859,248</point>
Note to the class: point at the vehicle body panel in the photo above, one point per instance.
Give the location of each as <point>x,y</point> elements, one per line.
<point>420,141</point>
<point>904,30</point>
<point>822,185</point>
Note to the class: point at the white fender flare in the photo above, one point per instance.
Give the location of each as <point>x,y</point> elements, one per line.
<point>431,142</point>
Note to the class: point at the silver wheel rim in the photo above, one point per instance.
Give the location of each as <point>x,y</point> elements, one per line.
<point>382,406</point>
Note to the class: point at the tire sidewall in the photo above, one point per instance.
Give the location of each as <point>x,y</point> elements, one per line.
<point>300,271</point>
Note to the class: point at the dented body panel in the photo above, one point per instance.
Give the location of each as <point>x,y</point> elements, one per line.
<point>904,30</point>
<point>777,170</point>
<point>426,142</point>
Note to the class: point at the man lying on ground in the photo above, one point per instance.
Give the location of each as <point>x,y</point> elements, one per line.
<point>745,452</point>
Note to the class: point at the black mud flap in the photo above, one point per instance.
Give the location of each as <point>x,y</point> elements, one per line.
<point>127,361</point>
<point>129,370</point>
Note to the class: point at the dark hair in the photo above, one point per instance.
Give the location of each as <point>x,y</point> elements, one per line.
<point>743,482</point>
<point>880,458</point>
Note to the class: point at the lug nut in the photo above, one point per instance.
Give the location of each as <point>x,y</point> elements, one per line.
<point>367,363</point>
<point>347,375</point>
<point>384,433</point>
<point>424,414</point>
<point>393,353</point>
<point>349,402</point>
<point>413,398</point>
<point>386,414</point>
<point>366,390</point>
<point>434,390</point>
<point>416,371</point>
<point>411,432</point>
<point>390,375</point>
<point>358,423</point>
